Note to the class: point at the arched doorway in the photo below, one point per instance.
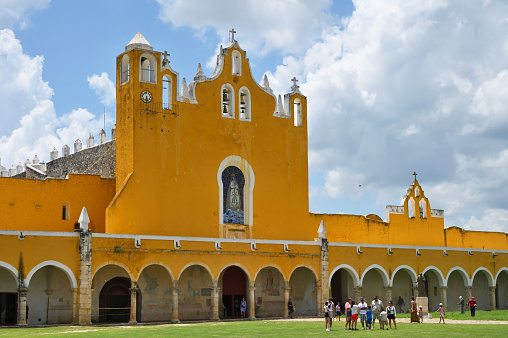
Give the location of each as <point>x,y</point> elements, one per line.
<point>402,290</point>
<point>115,301</point>
<point>342,286</point>
<point>502,290</point>
<point>195,293</point>
<point>432,284</point>
<point>373,284</point>
<point>49,297</point>
<point>269,293</point>
<point>155,284</point>
<point>234,286</point>
<point>480,290</point>
<point>456,286</point>
<point>303,292</point>
<point>8,298</point>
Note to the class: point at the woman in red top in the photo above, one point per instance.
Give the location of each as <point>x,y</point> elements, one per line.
<point>472,306</point>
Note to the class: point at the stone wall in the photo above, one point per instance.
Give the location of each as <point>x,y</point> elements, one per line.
<point>97,160</point>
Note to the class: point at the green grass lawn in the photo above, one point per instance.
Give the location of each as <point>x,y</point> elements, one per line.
<point>261,328</point>
<point>480,315</point>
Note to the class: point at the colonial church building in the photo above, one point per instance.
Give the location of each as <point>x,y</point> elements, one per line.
<point>206,202</point>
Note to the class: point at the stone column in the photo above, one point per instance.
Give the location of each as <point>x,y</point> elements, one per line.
<point>174,314</point>
<point>325,287</point>
<point>388,295</point>
<point>82,307</point>
<point>320,304</point>
<point>252,300</point>
<point>134,291</point>
<point>286,298</point>
<point>469,293</point>
<point>443,295</point>
<point>358,294</point>
<point>215,301</point>
<point>22,320</point>
<point>492,297</point>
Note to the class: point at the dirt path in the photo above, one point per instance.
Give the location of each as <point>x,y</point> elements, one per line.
<point>407,320</point>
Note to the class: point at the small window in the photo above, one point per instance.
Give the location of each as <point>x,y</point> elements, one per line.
<point>236,59</point>
<point>423,209</point>
<point>124,69</point>
<point>297,105</point>
<point>417,192</point>
<point>411,208</point>
<point>227,101</point>
<point>435,290</point>
<point>245,104</point>
<point>166,92</point>
<point>65,212</point>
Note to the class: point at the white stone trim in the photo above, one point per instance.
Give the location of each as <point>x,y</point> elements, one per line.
<point>465,276</point>
<point>438,272</point>
<point>119,264</point>
<point>11,269</point>
<point>275,266</point>
<point>248,173</point>
<point>68,272</point>
<point>38,233</point>
<point>499,272</point>
<point>348,268</point>
<point>201,264</point>
<point>304,266</point>
<point>412,273</point>
<point>379,268</point>
<point>490,278</point>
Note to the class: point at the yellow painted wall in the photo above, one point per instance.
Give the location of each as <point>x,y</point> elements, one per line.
<point>37,205</point>
<point>457,237</point>
<point>175,160</point>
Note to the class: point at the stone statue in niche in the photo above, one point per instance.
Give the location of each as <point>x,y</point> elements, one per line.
<point>422,292</point>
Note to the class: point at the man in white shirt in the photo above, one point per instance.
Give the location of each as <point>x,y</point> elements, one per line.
<point>363,312</point>
<point>377,306</point>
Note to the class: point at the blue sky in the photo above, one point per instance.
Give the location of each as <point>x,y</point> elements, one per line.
<point>394,86</point>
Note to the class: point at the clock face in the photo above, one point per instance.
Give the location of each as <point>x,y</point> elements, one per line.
<point>146,97</point>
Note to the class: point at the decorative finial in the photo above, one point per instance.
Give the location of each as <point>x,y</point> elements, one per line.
<point>294,87</point>
<point>232,31</point>
<point>165,60</point>
<point>414,174</point>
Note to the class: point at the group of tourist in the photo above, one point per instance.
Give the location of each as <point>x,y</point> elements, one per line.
<point>368,314</point>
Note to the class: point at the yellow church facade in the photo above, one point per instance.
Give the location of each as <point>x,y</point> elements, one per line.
<point>209,205</point>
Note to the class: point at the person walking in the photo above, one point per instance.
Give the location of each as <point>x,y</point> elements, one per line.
<point>291,308</point>
<point>414,311</point>
<point>243,307</point>
<point>461,303</point>
<point>441,313</point>
<point>472,306</point>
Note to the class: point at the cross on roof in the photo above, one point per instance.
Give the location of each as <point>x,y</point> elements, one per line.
<point>166,54</point>
<point>294,87</point>
<point>232,31</point>
<point>414,174</point>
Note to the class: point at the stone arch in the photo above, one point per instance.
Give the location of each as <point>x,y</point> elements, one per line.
<point>381,270</point>
<point>203,265</point>
<point>164,265</point>
<point>244,269</point>
<point>304,266</point>
<point>11,269</point>
<point>155,283</point>
<point>147,68</point>
<point>488,274</point>
<point>68,272</point>
<point>438,272</point>
<point>502,289</point>
<point>500,271</point>
<point>270,283</point>
<point>275,266</point>
<point>302,284</point>
<point>119,264</point>
<point>411,272</point>
<point>463,273</point>
<point>250,180</point>
<point>348,268</point>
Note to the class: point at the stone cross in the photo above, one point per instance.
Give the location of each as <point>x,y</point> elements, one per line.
<point>414,174</point>
<point>166,54</point>
<point>294,87</point>
<point>232,31</point>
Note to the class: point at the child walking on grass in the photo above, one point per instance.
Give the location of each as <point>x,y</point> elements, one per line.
<point>441,313</point>
<point>420,314</point>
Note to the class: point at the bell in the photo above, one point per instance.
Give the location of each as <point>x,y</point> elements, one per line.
<point>225,111</point>
<point>242,101</point>
<point>243,111</point>
<point>225,96</point>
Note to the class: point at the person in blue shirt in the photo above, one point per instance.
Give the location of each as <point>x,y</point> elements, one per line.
<point>369,318</point>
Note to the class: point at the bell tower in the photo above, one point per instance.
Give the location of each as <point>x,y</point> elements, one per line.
<point>138,90</point>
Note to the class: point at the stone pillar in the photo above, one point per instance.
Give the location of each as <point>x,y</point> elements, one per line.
<point>252,300</point>
<point>174,315</point>
<point>325,287</point>
<point>358,294</point>
<point>469,293</point>
<point>134,291</point>
<point>443,296</point>
<point>82,307</point>
<point>215,301</point>
<point>492,297</point>
<point>320,304</point>
<point>388,295</point>
<point>22,292</point>
<point>286,298</point>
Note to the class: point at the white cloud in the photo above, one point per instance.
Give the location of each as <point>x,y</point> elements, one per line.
<point>103,87</point>
<point>262,25</point>
<point>405,86</point>
<point>492,220</point>
<point>17,12</point>
<point>30,124</point>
